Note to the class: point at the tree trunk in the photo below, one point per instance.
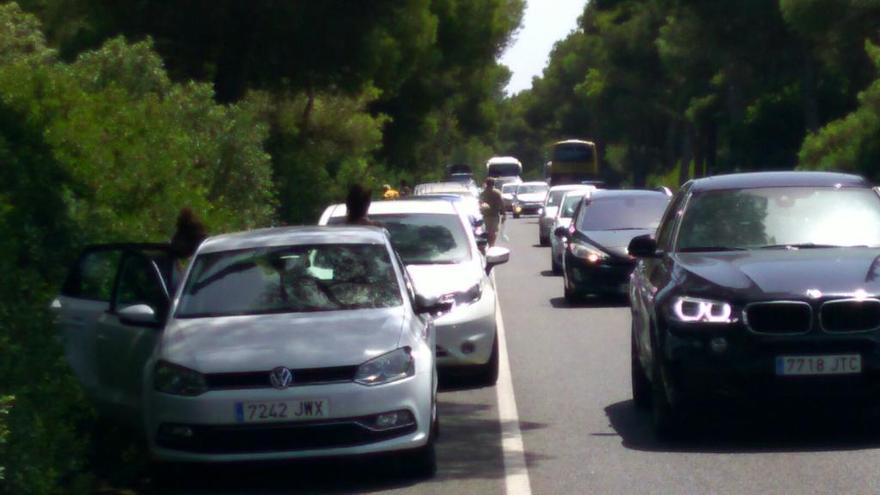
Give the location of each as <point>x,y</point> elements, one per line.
<point>687,154</point>
<point>811,105</point>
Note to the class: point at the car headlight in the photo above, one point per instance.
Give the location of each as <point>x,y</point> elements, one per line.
<point>692,309</point>
<point>174,379</point>
<point>586,253</point>
<point>387,368</point>
<point>466,297</point>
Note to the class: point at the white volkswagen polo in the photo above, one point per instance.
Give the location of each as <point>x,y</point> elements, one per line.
<point>280,343</point>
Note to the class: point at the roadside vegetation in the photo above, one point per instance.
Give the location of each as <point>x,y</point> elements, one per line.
<point>114,115</point>
<point>673,89</point>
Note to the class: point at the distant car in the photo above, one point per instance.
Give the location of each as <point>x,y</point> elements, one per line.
<point>507,193</point>
<point>529,198</point>
<point>564,213</point>
<point>441,255</point>
<point>551,207</point>
<point>444,188</point>
<point>283,343</point>
<point>596,261</point>
<point>762,289</point>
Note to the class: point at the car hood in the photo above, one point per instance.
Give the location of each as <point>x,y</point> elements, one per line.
<point>438,280</point>
<point>531,197</point>
<point>296,340</point>
<point>762,274</point>
<point>614,241</point>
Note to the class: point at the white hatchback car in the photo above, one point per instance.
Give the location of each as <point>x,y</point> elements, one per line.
<point>438,247</point>
<point>280,343</point>
<point>564,213</point>
<point>551,206</point>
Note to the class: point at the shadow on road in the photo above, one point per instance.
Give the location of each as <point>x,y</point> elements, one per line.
<point>549,273</point>
<point>592,302</point>
<point>751,432</point>
<point>469,448</point>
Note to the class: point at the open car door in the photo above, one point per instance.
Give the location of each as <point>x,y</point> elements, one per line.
<point>104,352</point>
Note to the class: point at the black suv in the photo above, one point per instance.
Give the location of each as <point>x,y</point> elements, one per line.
<point>759,286</point>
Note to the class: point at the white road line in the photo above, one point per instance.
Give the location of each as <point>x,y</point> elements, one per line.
<point>516,479</point>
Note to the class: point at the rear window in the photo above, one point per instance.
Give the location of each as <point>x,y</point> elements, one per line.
<point>572,153</point>
<point>290,279</point>
<point>427,238</point>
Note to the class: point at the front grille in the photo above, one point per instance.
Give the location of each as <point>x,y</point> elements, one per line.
<point>850,315</point>
<point>283,437</point>
<point>779,317</point>
<point>260,379</point>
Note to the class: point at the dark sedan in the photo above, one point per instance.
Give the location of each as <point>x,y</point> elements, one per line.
<point>761,288</point>
<point>596,261</point>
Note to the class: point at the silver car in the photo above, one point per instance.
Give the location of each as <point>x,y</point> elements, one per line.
<point>551,206</point>
<point>563,219</point>
<point>280,343</point>
<point>438,247</point>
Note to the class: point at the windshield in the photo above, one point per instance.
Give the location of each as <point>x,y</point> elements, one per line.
<point>528,189</point>
<point>572,152</point>
<point>427,238</point>
<point>290,279</point>
<point>781,216</point>
<point>504,170</point>
<point>623,212</point>
<point>554,197</point>
<point>569,203</point>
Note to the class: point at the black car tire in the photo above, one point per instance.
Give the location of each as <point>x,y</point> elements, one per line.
<point>666,416</point>
<point>516,215</point>
<point>421,463</point>
<point>555,267</point>
<point>641,386</point>
<point>487,375</point>
<point>544,241</point>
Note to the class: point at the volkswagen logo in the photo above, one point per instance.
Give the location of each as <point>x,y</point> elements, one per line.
<point>281,377</point>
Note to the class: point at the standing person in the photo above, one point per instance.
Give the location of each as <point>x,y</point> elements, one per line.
<point>492,206</point>
<point>405,190</point>
<point>357,203</point>
<point>389,192</point>
<point>190,232</point>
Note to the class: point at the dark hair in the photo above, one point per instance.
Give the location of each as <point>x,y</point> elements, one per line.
<point>357,203</point>
<point>489,182</point>
<point>189,234</point>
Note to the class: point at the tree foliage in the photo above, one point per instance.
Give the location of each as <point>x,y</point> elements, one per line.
<point>671,88</point>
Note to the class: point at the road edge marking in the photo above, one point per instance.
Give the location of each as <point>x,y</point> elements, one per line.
<point>516,472</point>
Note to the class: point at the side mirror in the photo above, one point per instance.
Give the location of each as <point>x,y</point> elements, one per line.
<point>561,232</point>
<point>496,255</point>
<point>643,246</point>
<point>431,305</point>
<point>140,315</point>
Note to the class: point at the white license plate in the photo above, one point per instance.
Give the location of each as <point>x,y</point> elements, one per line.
<point>837,364</point>
<point>281,410</point>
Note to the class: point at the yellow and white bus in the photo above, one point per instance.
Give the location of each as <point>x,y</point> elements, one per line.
<point>571,162</point>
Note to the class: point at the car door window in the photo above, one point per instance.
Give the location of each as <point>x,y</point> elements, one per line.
<point>669,221</point>
<point>93,276</point>
<point>139,283</point>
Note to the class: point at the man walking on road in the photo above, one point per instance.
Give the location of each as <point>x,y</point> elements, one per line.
<point>492,207</point>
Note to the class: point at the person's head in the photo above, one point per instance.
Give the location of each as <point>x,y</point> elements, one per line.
<point>386,187</point>
<point>489,183</point>
<point>403,183</point>
<point>357,203</point>
<point>190,232</point>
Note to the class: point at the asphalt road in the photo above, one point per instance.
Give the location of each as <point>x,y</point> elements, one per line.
<point>571,387</point>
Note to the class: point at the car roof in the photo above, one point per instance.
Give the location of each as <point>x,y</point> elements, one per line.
<point>572,187</point>
<point>533,183</point>
<point>451,186</point>
<point>287,236</point>
<point>777,179</point>
<point>620,193</point>
<point>441,206</point>
<point>502,159</point>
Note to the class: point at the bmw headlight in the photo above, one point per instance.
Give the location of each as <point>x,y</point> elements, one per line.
<point>387,368</point>
<point>692,309</point>
<point>174,379</point>
<point>586,252</point>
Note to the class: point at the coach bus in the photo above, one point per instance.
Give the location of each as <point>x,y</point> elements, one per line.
<point>571,162</point>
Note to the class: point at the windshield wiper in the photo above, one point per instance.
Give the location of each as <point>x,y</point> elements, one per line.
<point>697,249</point>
